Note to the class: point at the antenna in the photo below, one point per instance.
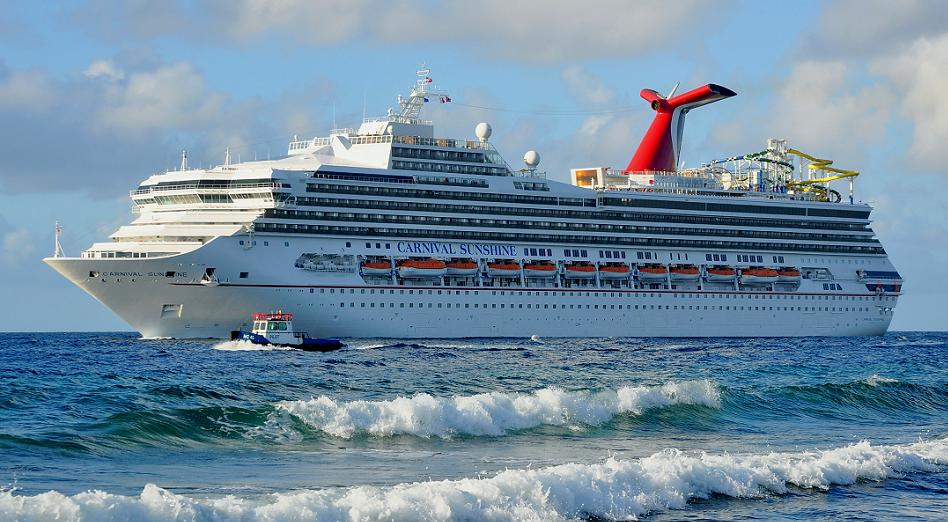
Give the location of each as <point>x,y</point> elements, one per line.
<point>184,160</point>
<point>672,92</point>
<point>58,248</point>
<point>227,157</point>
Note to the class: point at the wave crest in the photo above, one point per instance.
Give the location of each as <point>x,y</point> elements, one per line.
<point>493,413</point>
<point>614,489</point>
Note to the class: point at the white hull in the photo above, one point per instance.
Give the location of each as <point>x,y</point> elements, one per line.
<point>343,305</point>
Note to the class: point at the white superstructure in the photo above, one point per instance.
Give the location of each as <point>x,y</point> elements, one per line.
<point>389,231</point>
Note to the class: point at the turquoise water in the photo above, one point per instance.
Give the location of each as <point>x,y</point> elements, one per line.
<point>110,427</point>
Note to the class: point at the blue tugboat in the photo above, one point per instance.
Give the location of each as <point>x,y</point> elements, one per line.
<point>277,329</point>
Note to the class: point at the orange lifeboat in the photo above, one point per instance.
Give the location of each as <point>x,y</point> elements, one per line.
<point>684,273</point>
<point>653,272</point>
<point>614,271</point>
<point>788,275</point>
<point>580,270</point>
<point>376,267</point>
<point>461,267</point>
<point>758,276</point>
<point>720,274</point>
<point>539,269</point>
<point>503,268</point>
<point>421,268</point>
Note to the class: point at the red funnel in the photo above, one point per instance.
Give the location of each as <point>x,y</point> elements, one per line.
<point>661,145</point>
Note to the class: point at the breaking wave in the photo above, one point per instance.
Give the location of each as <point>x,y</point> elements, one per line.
<point>494,413</point>
<point>613,489</point>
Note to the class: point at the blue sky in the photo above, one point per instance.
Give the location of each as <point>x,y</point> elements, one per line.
<point>95,96</point>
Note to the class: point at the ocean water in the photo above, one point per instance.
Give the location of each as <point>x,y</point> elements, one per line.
<point>111,427</point>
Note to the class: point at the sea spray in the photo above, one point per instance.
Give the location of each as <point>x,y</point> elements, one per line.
<point>494,413</point>
<point>613,489</point>
<point>247,346</point>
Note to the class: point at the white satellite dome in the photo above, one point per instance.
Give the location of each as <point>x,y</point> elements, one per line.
<point>482,131</point>
<point>531,159</point>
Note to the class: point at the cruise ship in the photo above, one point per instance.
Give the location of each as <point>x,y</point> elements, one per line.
<point>390,231</point>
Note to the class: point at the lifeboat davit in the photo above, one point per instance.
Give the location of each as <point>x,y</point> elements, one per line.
<point>461,267</point>
<point>720,274</point>
<point>653,272</point>
<point>788,275</point>
<point>614,271</point>
<point>421,268</point>
<point>579,271</point>
<point>376,268</point>
<point>503,268</point>
<point>758,276</point>
<point>685,273</point>
<point>539,269</point>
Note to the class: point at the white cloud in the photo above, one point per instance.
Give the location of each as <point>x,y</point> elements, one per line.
<point>819,107</point>
<point>25,89</point>
<point>108,135</point>
<point>918,74</point>
<point>868,28</point>
<point>16,246</point>
<point>170,97</point>
<point>105,69</point>
<point>534,31</point>
<point>587,88</point>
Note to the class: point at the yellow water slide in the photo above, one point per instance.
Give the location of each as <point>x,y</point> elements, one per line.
<point>822,165</point>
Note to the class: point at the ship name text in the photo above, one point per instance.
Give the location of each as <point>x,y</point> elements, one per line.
<point>461,249</point>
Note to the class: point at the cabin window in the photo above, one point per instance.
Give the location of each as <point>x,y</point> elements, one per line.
<point>244,275</point>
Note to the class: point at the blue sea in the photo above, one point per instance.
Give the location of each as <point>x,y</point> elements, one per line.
<point>111,427</point>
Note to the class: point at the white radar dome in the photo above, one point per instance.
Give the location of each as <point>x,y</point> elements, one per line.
<point>531,159</point>
<point>482,131</point>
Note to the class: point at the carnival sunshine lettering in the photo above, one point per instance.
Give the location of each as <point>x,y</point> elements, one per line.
<point>463,249</point>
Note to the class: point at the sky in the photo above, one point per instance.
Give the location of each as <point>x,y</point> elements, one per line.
<point>97,95</point>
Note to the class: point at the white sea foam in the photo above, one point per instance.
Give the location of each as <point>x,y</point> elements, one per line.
<point>246,346</point>
<point>876,380</point>
<point>492,413</point>
<point>615,489</point>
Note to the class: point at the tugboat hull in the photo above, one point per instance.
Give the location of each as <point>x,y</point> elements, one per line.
<point>309,344</point>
